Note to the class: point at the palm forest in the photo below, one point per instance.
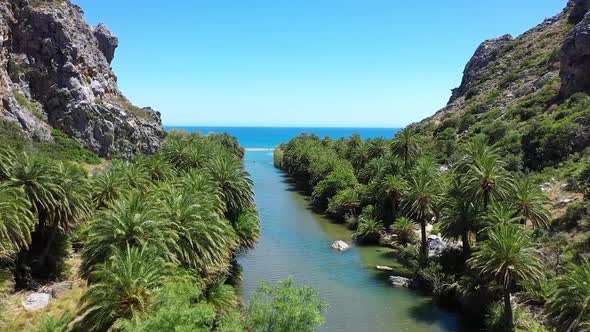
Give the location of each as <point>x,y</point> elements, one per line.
<point>151,244</point>
<point>508,262</point>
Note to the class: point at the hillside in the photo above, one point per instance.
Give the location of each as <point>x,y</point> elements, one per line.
<point>528,93</point>
<point>55,71</point>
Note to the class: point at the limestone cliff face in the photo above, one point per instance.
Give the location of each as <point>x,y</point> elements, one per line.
<point>575,63</point>
<point>55,72</point>
<point>504,71</point>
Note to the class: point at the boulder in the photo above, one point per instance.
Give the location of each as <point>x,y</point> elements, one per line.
<point>36,301</point>
<point>436,245</point>
<point>60,288</point>
<point>397,281</point>
<point>340,245</point>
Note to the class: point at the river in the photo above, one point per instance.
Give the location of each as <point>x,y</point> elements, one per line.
<point>296,242</point>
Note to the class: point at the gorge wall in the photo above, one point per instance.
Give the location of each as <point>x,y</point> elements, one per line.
<point>55,72</point>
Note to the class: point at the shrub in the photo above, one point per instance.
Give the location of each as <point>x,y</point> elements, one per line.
<point>284,307</point>
<point>368,231</point>
<point>404,229</point>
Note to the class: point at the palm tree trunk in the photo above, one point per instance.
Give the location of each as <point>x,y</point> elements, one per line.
<point>47,248</point>
<point>466,245</point>
<point>508,311</point>
<point>424,245</point>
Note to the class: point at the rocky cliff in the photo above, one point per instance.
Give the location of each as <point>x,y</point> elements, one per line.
<point>55,72</point>
<point>529,93</point>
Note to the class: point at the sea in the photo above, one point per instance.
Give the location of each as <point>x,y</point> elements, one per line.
<point>271,137</point>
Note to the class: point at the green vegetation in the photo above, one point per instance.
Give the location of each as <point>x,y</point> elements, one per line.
<point>284,307</point>
<point>156,238</point>
<point>62,148</point>
<point>497,222</point>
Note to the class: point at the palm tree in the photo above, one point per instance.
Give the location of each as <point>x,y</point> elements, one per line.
<point>508,257</point>
<point>203,240</point>
<point>346,202</point>
<point>487,181</point>
<point>221,296</point>
<point>234,183</point>
<point>373,169</point>
<point>360,156</point>
<point>567,308</point>
<point>404,229</point>
<point>530,202</point>
<point>16,221</point>
<point>156,167</point>
<point>73,208</point>
<point>185,153</point>
<point>422,197</point>
<point>247,228</point>
<point>392,187</point>
<point>368,231</point>
<point>134,176</point>
<point>133,222</point>
<point>459,220</point>
<point>406,145</point>
<point>124,288</point>
<point>500,214</point>
<point>474,150</point>
<point>377,147</point>
<point>199,182</point>
<point>7,158</point>
<point>40,181</point>
<point>107,188</point>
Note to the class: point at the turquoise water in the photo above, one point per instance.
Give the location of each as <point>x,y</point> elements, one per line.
<point>269,137</point>
<point>296,242</point>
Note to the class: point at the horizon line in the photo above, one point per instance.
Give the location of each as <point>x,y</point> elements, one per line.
<point>252,126</point>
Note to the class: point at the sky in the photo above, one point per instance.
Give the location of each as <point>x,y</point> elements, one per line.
<point>324,63</point>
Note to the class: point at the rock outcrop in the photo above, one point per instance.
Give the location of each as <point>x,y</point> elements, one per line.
<point>484,55</point>
<point>55,72</point>
<point>504,71</point>
<point>575,59</point>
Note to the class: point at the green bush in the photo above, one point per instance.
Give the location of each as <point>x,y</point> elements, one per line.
<point>65,148</point>
<point>284,307</point>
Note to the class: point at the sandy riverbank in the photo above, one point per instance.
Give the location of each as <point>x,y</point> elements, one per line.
<point>259,149</point>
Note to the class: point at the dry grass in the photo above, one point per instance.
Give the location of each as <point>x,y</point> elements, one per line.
<point>15,318</point>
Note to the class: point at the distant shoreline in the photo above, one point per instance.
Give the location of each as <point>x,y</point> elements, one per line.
<point>259,149</point>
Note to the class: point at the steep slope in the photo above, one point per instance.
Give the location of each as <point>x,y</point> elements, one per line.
<point>55,72</point>
<point>528,93</point>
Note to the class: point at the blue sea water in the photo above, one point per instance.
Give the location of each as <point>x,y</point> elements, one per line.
<point>270,137</point>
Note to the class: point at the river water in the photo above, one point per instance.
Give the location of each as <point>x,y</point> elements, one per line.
<point>296,242</point>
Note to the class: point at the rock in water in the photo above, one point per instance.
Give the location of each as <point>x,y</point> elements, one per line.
<point>340,245</point>
<point>36,301</point>
<point>402,282</point>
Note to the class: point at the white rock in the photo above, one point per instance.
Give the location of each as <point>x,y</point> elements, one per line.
<point>436,245</point>
<point>384,268</point>
<point>566,201</point>
<point>36,301</point>
<point>340,245</point>
<point>400,281</point>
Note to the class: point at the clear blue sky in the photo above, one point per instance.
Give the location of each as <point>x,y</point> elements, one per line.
<point>361,63</point>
